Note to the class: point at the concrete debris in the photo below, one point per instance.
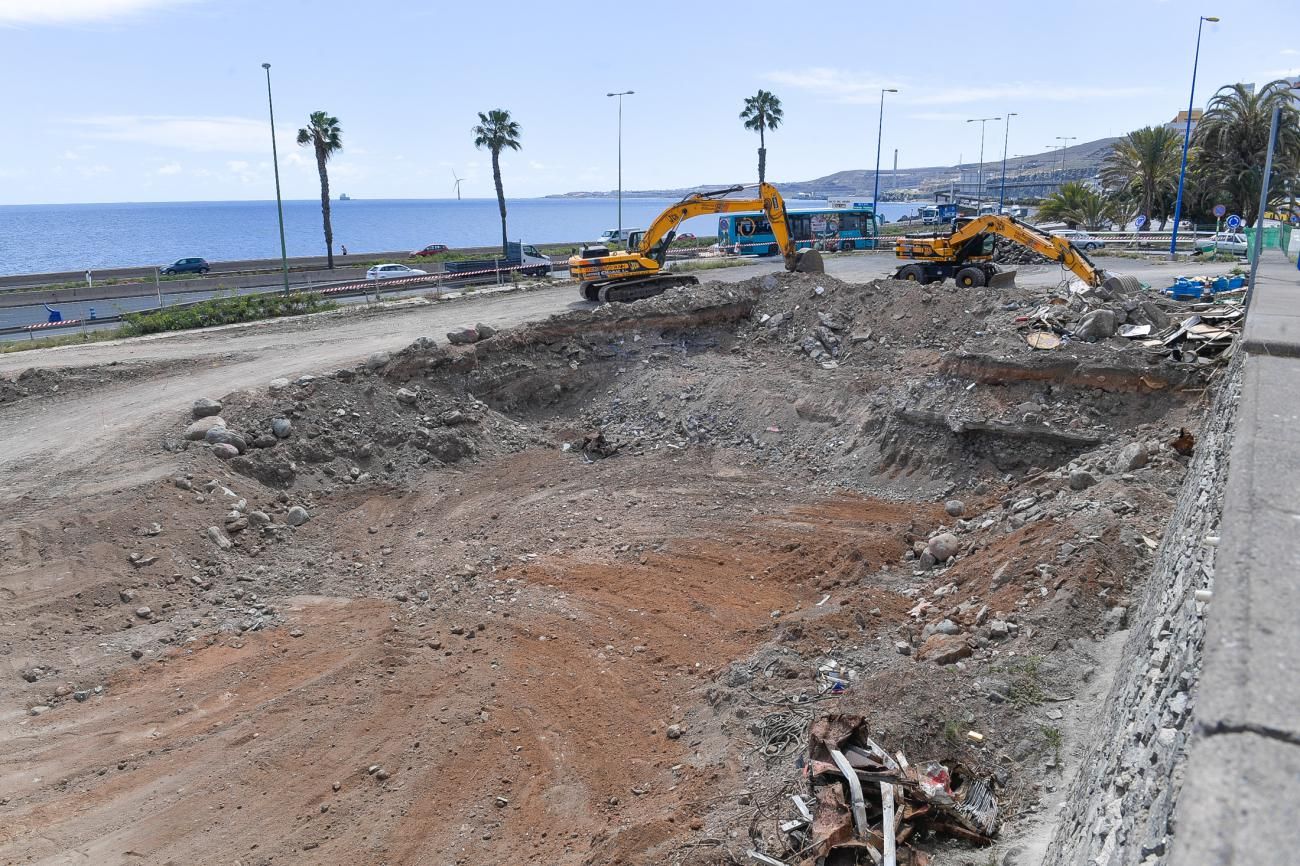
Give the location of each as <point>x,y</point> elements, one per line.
<point>204,407</point>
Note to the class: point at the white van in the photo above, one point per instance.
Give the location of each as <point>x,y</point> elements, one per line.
<point>614,236</point>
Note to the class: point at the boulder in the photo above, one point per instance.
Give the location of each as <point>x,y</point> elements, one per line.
<point>1132,456</point>
<point>462,336</point>
<point>485,331</point>
<point>225,451</point>
<point>1097,325</point>
<point>277,384</point>
<point>203,408</point>
<point>943,649</point>
<point>281,427</point>
<point>297,516</point>
<point>378,361</point>
<point>406,395</point>
<point>955,507</point>
<point>1081,479</point>
<point>198,430</point>
<point>943,546</point>
<point>222,436</point>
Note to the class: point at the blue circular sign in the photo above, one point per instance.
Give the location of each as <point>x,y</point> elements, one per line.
<point>1220,210</point>
<point>1234,221</point>
<point>1140,221</point>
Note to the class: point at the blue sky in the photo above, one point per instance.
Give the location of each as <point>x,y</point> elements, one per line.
<point>164,100</point>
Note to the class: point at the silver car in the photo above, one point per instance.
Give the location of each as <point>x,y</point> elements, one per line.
<point>1228,242</point>
<point>1082,240</point>
<point>393,272</point>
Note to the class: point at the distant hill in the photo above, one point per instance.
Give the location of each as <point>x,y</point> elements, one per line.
<point>1081,161</point>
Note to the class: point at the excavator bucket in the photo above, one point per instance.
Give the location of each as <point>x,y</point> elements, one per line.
<point>1121,284</point>
<point>1003,280</point>
<point>808,262</point>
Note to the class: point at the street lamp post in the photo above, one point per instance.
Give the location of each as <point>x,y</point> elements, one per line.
<point>880,131</point>
<point>1006,138</point>
<point>620,96</point>
<point>1187,137</point>
<point>1065,142</point>
<point>275,162</point>
<point>979,191</point>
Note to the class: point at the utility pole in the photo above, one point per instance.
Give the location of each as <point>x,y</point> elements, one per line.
<point>880,131</point>
<point>979,192</point>
<point>1187,139</point>
<point>1006,138</point>
<point>1065,142</point>
<point>275,161</point>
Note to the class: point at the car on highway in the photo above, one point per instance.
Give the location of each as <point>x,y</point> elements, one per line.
<point>430,250</point>
<point>393,272</point>
<point>1082,240</point>
<point>185,266</point>
<point>1226,242</point>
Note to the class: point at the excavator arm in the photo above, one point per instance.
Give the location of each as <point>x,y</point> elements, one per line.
<point>655,241</point>
<point>1046,245</point>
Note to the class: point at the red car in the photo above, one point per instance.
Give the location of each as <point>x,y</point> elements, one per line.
<point>430,250</point>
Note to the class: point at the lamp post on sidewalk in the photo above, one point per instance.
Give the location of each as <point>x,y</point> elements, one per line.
<point>620,96</point>
<point>1065,142</point>
<point>880,132</point>
<point>1006,138</point>
<point>1187,137</point>
<point>275,162</point>
<point>979,192</point>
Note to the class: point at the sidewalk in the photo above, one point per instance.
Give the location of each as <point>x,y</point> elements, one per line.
<point>1238,804</point>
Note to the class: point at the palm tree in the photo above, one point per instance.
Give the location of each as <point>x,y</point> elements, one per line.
<point>323,134</point>
<point>1233,138</point>
<point>1144,164</point>
<point>496,131</point>
<point>1067,204</point>
<point>762,112</point>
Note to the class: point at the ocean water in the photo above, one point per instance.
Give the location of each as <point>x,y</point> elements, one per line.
<point>76,237</point>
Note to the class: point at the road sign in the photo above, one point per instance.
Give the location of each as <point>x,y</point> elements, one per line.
<point>1220,210</point>
<point>1140,221</point>
<point>1234,221</point>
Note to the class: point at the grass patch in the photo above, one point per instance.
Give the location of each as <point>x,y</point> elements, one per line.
<point>1054,739</point>
<point>680,267</point>
<point>99,336</point>
<point>225,311</point>
<point>1026,682</point>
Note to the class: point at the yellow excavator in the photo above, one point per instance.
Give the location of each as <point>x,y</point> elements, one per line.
<point>966,255</point>
<point>609,275</point>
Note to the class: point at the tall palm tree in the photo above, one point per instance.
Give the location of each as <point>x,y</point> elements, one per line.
<point>1066,204</point>
<point>322,132</point>
<point>762,112</point>
<point>496,131</point>
<point>1233,139</point>
<point>1144,164</point>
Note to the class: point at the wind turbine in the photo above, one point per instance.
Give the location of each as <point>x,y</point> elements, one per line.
<point>457,184</point>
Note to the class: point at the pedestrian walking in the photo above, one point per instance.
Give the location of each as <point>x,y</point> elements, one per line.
<point>345,249</point>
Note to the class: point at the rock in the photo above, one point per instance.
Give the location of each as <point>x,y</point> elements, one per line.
<point>217,537</point>
<point>674,732</point>
<point>199,429</point>
<point>947,626</point>
<point>1097,325</point>
<point>258,518</point>
<point>943,546</point>
<point>998,629</point>
<point>296,633</point>
<point>462,336</point>
<point>378,361</point>
<point>955,507</point>
<point>406,395</point>
<point>769,282</point>
<point>297,516</point>
<point>277,384</point>
<point>263,440</point>
<point>943,649</point>
<point>1081,479</point>
<point>926,560</point>
<point>144,612</point>
<point>775,322</point>
<point>203,407</point>
<point>126,595</point>
<point>903,648</point>
<point>1001,576</point>
<point>225,451</point>
<point>281,427</point>
<point>485,332</point>
<point>182,483</point>
<point>222,436</point>
<point>1132,456</point>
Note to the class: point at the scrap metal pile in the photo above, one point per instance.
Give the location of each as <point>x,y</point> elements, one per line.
<point>868,805</point>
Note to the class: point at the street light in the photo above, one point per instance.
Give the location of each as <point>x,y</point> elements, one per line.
<point>1187,137</point>
<point>1002,194</point>
<point>979,192</point>
<point>1065,139</point>
<point>275,161</point>
<point>620,96</point>
<point>880,131</point>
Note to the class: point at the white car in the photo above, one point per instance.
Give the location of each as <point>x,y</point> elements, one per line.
<point>1082,240</point>
<point>1228,242</point>
<point>393,271</point>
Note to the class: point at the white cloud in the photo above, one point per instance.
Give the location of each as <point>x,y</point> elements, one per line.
<point>170,168</point>
<point>847,87</point>
<point>1289,52</point>
<point>199,134</point>
<point>68,11</point>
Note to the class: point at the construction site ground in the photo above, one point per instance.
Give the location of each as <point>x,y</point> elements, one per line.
<point>566,595</point>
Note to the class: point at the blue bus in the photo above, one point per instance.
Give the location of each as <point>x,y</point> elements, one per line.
<point>824,229</point>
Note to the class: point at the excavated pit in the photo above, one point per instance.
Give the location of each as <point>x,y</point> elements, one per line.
<point>563,594</point>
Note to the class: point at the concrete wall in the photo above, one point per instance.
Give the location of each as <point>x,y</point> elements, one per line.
<point>1121,806</point>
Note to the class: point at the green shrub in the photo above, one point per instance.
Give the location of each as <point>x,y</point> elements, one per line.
<point>225,311</point>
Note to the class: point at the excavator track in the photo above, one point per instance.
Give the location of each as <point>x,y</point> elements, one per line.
<point>624,291</point>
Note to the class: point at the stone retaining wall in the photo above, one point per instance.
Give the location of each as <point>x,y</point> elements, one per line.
<point>1121,803</point>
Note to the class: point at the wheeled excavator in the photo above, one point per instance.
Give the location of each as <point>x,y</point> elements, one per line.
<point>966,255</point>
<point>609,275</point>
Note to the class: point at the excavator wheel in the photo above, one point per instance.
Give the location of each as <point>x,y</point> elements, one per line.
<point>969,278</point>
<point>911,273</point>
<point>809,262</point>
<point>1121,285</point>
<point>585,292</point>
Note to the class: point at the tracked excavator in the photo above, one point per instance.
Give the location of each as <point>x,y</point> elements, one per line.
<point>607,275</point>
<point>966,255</point>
